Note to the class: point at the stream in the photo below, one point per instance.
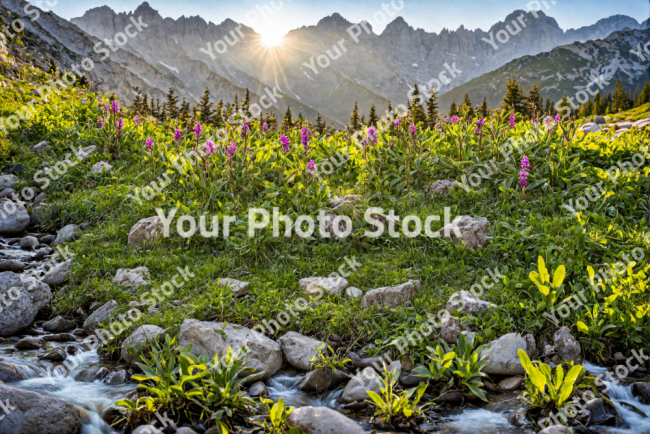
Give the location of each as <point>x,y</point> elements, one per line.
<point>95,396</point>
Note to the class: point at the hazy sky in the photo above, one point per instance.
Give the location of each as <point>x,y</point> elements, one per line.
<point>431,15</point>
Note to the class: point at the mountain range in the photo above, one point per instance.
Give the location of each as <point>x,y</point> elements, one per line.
<point>312,71</point>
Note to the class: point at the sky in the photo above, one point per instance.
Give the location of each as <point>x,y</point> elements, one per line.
<point>430,15</point>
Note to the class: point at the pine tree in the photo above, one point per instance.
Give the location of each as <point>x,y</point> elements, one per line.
<point>246,103</point>
<point>453,110</point>
<point>235,106</point>
<point>564,108</point>
<point>417,106</point>
<point>644,96</point>
<point>534,99</point>
<point>514,99</point>
<point>390,107</point>
<point>354,119</point>
<point>144,106</point>
<point>548,108</point>
<point>136,104</point>
<point>184,115</point>
<point>372,117</point>
<point>483,111</point>
<point>205,107</point>
<point>287,122</point>
<point>467,105</point>
<point>218,114</point>
<point>170,106</point>
<point>363,120</point>
<point>432,108</point>
<point>620,97</point>
<point>51,68</point>
<point>320,127</point>
<point>595,111</point>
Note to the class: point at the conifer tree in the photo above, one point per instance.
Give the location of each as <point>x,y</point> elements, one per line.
<point>390,107</point>
<point>170,107</point>
<point>246,103</point>
<point>144,106</point>
<point>432,108</point>
<point>184,114</point>
<point>483,111</point>
<point>372,117</point>
<point>287,122</point>
<point>354,119</point>
<point>136,104</point>
<point>620,97</point>
<point>417,106</point>
<point>205,107</point>
<point>320,127</point>
<point>514,99</point>
<point>534,99</point>
<point>467,105</point>
<point>218,114</point>
<point>453,110</point>
<point>236,105</point>
<point>644,96</point>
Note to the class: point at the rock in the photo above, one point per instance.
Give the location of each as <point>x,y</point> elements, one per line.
<point>466,302</point>
<point>186,430</point>
<point>58,274</point>
<point>8,181</point>
<point>449,328</point>
<point>87,151</point>
<point>357,389</point>
<point>566,346</point>
<point>13,168</point>
<point>115,378</point>
<point>642,392</point>
<point>391,296</point>
<point>59,325</point>
<point>322,420</point>
<point>334,225</point>
<point>42,197</point>
<point>321,380</point>
<point>353,292</point>
<point>146,429</point>
<point>41,147</point>
<point>100,167</point>
<point>99,316</point>
<point>330,285</point>
<point>593,128</point>
<point>33,413</point>
<point>555,429</point>
<point>137,343</point>
<point>472,231</point>
<point>136,277</point>
<point>10,372</point>
<point>13,218</point>
<point>599,120</point>
<point>442,187</point>
<point>599,414</point>
<point>643,123</point>
<point>237,287</point>
<point>364,362</point>
<point>146,230</point>
<point>48,239</point>
<point>26,296</point>
<point>340,203</point>
<point>7,192</point>
<point>264,355</point>
<point>12,265</point>
<point>503,357</point>
<point>298,349</point>
<point>101,373</point>
<point>55,355</point>
<point>29,343</point>
<point>59,337</point>
<point>258,389</point>
<point>28,243</point>
<point>67,233</point>
<point>510,384</point>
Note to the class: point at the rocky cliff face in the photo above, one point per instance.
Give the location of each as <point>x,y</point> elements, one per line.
<point>314,70</point>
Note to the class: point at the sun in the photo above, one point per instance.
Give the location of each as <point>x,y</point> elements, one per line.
<point>270,39</point>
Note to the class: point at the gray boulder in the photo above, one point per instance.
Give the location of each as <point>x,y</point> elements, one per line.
<point>258,389</point>
<point>237,287</point>
<point>99,316</point>
<point>320,285</point>
<point>146,230</point>
<point>10,372</point>
<point>12,265</point>
<point>13,217</point>
<point>57,274</point>
<point>25,296</point>
<point>8,181</point>
<point>391,296</point>
<point>566,346</point>
<point>322,420</point>
<point>33,413</point>
<point>28,242</point>
<point>442,187</point>
<point>353,292</point>
<point>67,233</point>
<point>321,380</point>
<point>137,343</point>
<point>466,302</point>
<point>472,231</point>
<point>357,389</point>
<point>59,325</point>
<point>298,349</point>
<point>555,429</point>
<point>450,328</point>
<point>263,354</point>
<point>503,356</point>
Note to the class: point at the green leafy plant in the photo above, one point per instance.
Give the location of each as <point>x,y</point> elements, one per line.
<point>543,390</point>
<point>329,359</point>
<point>541,278</point>
<point>190,387</point>
<point>461,368</point>
<point>276,422</point>
<point>395,407</point>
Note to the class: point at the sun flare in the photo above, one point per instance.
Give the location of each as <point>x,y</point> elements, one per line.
<point>272,39</point>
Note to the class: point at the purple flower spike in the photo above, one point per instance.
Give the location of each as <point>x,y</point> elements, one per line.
<point>149,143</point>
<point>284,141</point>
<point>198,129</point>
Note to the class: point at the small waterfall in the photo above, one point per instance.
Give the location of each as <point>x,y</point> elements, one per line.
<point>286,386</point>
